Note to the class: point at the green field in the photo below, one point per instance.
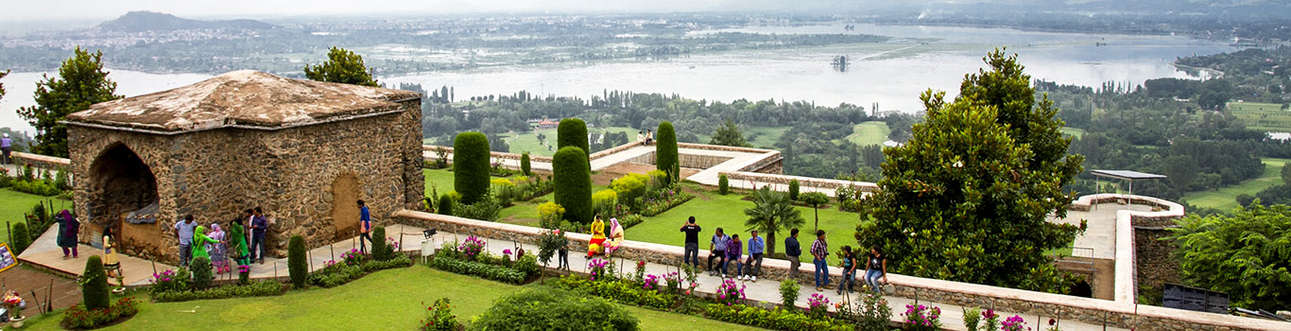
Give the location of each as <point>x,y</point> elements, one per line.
<point>528,142</point>
<point>869,133</point>
<point>440,179</point>
<point>386,300</point>
<point>1225,198</point>
<point>14,204</point>
<point>1262,116</point>
<point>758,136</point>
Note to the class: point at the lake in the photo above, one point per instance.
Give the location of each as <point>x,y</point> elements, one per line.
<point>891,73</point>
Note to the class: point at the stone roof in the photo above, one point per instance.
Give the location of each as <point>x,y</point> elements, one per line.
<point>249,99</point>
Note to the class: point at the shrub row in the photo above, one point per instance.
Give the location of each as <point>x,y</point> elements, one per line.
<point>554,310</point>
<point>37,187</point>
<point>78,318</point>
<point>254,289</point>
<point>621,291</point>
<point>340,273</point>
<point>778,319</point>
<point>478,269</point>
<point>658,206</point>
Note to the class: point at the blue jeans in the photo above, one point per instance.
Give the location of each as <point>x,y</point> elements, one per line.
<point>872,279</point>
<point>847,283</point>
<point>257,241</point>
<point>822,272</point>
<point>185,254</point>
<point>691,255</point>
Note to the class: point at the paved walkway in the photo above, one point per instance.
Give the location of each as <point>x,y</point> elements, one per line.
<point>1100,236</point>
<point>44,252</point>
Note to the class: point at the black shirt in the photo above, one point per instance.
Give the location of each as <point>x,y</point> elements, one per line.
<point>876,262</point>
<point>692,233</point>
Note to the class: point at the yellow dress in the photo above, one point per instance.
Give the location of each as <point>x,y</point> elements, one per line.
<point>109,253</point>
<point>596,245</point>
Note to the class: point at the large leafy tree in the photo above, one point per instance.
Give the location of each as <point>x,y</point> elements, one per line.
<point>771,212</point>
<point>81,82</point>
<point>2,74</point>
<point>967,197</point>
<point>728,134</point>
<point>1247,254</point>
<point>342,66</point>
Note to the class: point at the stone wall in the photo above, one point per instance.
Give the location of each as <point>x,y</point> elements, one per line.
<point>215,174</point>
<point>685,160</point>
<point>40,161</point>
<point>1154,260</point>
<point>830,184</point>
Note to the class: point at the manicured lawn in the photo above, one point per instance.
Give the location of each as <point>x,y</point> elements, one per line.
<point>869,133</point>
<point>712,210</point>
<point>528,141</point>
<point>1262,116</point>
<point>441,179</point>
<point>14,204</point>
<point>386,300</point>
<point>1225,198</point>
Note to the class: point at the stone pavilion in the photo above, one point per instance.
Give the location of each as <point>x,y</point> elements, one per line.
<point>302,150</point>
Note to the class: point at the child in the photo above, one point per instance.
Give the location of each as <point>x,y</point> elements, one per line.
<point>849,270</point>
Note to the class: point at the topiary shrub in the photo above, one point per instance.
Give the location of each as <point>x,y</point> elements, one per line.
<point>524,164</point>
<point>665,151</point>
<point>61,181</point>
<point>554,310</point>
<point>793,190</point>
<point>381,251</point>
<point>202,275</point>
<point>573,184</point>
<point>572,132</point>
<point>297,266</point>
<point>723,184</point>
<point>445,204</point>
<point>94,284</point>
<point>19,238</point>
<point>471,166</point>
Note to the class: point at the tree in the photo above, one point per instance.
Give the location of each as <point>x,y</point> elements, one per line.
<point>572,183</point>
<point>815,199</point>
<point>793,189</point>
<point>94,284</point>
<point>723,184</point>
<point>968,196</point>
<point>471,166</point>
<point>666,151</point>
<point>771,211</point>
<point>728,134</point>
<point>1286,174</point>
<point>342,66</point>
<point>1244,255</point>
<point>297,266</point>
<point>525,167</point>
<point>572,132</point>
<point>19,238</point>
<point>381,250</point>
<point>81,82</point>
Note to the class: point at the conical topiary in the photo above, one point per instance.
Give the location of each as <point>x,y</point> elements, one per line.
<point>297,267</point>
<point>94,284</point>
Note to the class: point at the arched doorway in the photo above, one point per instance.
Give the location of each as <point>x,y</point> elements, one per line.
<point>345,212</point>
<point>124,197</point>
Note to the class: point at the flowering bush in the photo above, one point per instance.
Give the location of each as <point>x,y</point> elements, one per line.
<point>1015,323</point>
<point>920,317</point>
<point>817,306</point>
<point>789,292</point>
<point>244,274</point>
<point>658,201</point>
<point>353,257</point>
<point>471,247</point>
<point>439,316</point>
<point>729,292</point>
<point>596,269</point>
<point>992,319</point>
<point>651,282</point>
<point>674,282</point>
<point>77,318</point>
<point>169,280</point>
<point>394,245</point>
<point>640,274</point>
<point>549,242</point>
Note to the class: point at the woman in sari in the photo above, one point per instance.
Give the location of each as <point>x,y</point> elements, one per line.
<point>68,228</point>
<point>595,246</point>
<point>237,238</point>
<point>219,256</point>
<point>616,237</point>
<point>200,241</point>
<point>111,263</point>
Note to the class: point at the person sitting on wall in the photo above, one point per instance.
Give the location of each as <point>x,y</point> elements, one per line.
<point>595,246</point>
<point>649,137</point>
<point>616,237</point>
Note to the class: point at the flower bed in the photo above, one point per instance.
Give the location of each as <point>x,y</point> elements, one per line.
<point>470,258</point>
<point>77,318</point>
<point>478,269</point>
<point>778,319</point>
<point>254,289</point>
<point>354,265</point>
<point>660,201</point>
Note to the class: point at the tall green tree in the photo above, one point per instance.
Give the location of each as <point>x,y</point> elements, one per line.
<point>968,196</point>
<point>771,212</point>
<point>665,153</point>
<point>572,182</point>
<point>342,66</point>
<point>81,82</point>
<point>1246,255</point>
<point>728,134</point>
<point>471,166</point>
<point>572,132</point>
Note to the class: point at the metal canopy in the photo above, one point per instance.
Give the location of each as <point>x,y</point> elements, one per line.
<point>1127,175</point>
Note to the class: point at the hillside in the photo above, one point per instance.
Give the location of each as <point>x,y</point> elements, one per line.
<point>144,21</point>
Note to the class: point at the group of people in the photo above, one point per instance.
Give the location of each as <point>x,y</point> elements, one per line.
<point>646,138</point>
<point>219,245</point>
<point>729,249</point>
<point>69,228</point>
<point>600,244</point>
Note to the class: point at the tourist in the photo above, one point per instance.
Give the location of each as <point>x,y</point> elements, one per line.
<point>876,266</point>
<point>649,137</point>
<point>734,250</point>
<point>756,245</point>
<point>184,231</point>
<point>365,227</point>
<point>259,226</point>
<point>641,137</point>
<point>849,270</point>
<point>691,254</point>
<point>218,250</point>
<point>792,250</point>
<point>111,264</point>
<point>238,242</point>
<point>68,228</point>
<point>6,146</point>
<point>200,242</point>
<point>717,250</point>
<point>819,251</point>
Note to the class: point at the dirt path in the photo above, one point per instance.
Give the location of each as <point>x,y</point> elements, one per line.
<point>26,279</point>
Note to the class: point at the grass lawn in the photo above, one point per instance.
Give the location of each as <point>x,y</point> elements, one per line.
<point>14,204</point>
<point>869,133</point>
<point>528,142</point>
<point>1262,116</point>
<point>712,210</point>
<point>1225,198</point>
<point>764,137</point>
<point>1074,132</point>
<point>386,300</point>
<point>441,179</point>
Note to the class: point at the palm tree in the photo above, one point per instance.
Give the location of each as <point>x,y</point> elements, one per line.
<point>771,211</point>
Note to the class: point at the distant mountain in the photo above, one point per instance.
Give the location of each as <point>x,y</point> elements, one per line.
<point>142,21</point>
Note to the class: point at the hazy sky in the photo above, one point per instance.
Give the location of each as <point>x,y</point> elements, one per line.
<point>74,9</point>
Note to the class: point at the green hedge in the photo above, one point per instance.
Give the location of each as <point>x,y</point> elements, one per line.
<point>445,205</point>
<point>573,184</point>
<point>621,291</point>
<point>254,289</point>
<point>478,269</point>
<point>665,151</point>
<point>524,164</point>
<point>572,132</point>
<point>471,166</point>
<point>297,266</point>
<point>777,319</point>
<point>202,274</point>
<point>723,184</point>
<point>554,310</point>
<point>19,238</point>
<point>94,288</point>
<point>381,250</point>
<point>793,190</point>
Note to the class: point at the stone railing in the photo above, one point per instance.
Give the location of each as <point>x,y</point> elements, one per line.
<point>822,183</point>
<point>613,150</point>
<point>1122,314</point>
<point>41,161</point>
<point>492,155</point>
<point>726,148</point>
